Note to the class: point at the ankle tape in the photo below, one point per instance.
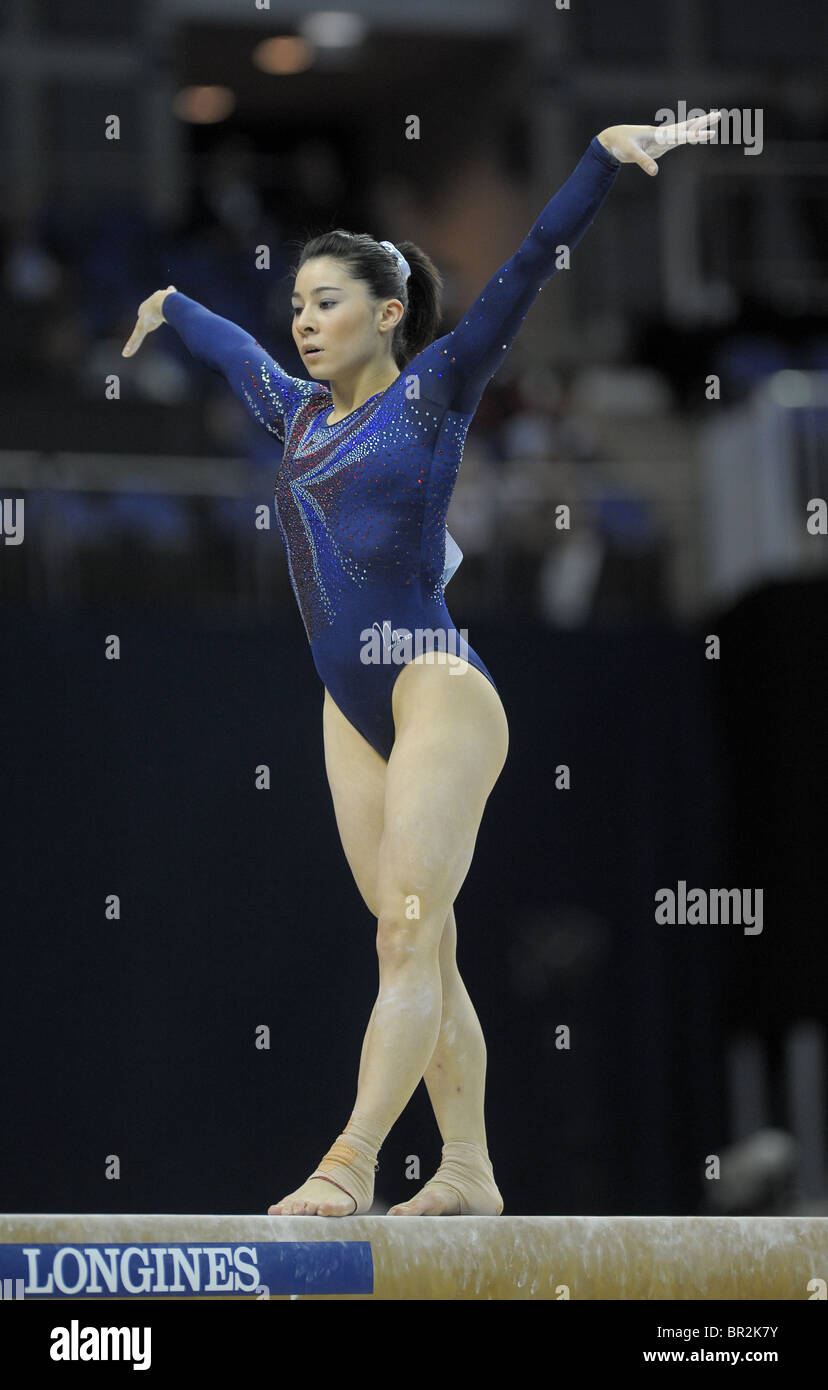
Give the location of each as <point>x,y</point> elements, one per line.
<point>352,1171</point>
<point>363,1136</point>
<point>467,1170</point>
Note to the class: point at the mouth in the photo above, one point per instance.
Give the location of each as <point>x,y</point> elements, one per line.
<point>311,351</point>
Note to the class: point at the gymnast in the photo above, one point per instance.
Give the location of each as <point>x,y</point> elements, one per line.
<point>414,744</point>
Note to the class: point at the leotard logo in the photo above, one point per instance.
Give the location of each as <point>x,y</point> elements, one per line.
<point>392,637</point>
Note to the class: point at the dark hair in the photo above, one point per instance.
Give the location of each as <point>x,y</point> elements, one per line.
<point>365,259</point>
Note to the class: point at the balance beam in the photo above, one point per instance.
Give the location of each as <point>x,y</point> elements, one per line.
<point>413,1257</point>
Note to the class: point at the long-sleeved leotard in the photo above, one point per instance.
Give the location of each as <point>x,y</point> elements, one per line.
<point>362,503</point>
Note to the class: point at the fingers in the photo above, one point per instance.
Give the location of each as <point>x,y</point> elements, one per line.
<point>144,324</point>
<point>710,118</point>
<point>643,159</point>
<point>699,131</point>
<point>132,345</point>
<point>702,129</point>
<point>636,145</point>
<point>139,334</point>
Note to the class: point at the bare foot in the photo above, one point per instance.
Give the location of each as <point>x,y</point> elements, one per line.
<point>430,1201</point>
<point>316,1197</point>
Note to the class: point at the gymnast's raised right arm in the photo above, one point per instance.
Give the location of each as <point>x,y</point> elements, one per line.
<point>454,369</point>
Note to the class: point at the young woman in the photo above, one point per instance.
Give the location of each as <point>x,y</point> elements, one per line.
<point>415,735</point>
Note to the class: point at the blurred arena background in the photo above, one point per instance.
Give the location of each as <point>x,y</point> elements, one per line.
<point>244,126</point>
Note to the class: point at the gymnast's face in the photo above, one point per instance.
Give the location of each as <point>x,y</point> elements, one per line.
<point>335,313</point>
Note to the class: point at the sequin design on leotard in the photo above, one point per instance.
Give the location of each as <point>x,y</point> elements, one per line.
<point>362,503</point>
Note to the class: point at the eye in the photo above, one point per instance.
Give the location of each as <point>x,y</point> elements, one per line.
<point>322,303</point>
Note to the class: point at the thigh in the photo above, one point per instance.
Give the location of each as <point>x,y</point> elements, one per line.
<point>450,747</point>
<point>356,776</point>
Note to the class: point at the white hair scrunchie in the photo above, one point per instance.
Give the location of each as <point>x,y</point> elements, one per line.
<point>404,266</point>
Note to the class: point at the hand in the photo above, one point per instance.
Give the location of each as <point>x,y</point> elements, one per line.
<point>644,144</point>
<point>150,317</point>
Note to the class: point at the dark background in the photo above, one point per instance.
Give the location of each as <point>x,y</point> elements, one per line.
<point>136,1037</point>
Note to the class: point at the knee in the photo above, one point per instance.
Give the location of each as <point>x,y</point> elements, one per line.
<point>448,946</point>
<point>402,939</point>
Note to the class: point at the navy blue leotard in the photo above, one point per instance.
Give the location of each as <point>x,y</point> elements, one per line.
<point>362,503</point>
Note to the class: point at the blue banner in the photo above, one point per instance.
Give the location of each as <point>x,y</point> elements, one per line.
<point>185,1270</point>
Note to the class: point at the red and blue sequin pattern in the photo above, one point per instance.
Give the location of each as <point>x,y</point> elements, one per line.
<point>362,503</point>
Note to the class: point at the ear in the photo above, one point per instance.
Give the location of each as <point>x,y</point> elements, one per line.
<point>392,313</point>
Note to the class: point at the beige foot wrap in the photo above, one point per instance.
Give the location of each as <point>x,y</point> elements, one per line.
<point>351,1164</point>
<point>466,1170</point>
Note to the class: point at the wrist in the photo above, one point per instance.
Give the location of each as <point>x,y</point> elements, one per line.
<point>162,295</point>
<point>607,144</point>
